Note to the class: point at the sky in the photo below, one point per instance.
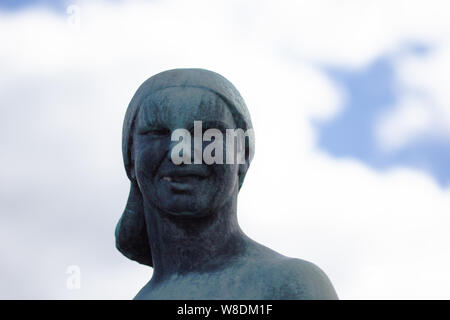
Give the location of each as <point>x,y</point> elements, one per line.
<point>351,112</point>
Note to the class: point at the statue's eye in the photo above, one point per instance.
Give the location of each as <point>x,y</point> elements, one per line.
<point>158,132</point>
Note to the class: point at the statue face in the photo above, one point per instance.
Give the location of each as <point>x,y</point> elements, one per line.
<point>187,189</point>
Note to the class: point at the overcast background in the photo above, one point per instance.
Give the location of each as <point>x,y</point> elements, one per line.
<point>350,103</point>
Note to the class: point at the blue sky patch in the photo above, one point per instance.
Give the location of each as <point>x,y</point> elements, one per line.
<point>14,5</point>
<point>351,133</point>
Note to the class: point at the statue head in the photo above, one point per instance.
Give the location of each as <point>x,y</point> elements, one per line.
<point>169,101</point>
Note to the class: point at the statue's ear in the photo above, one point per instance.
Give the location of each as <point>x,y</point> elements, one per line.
<point>242,171</point>
<point>249,152</point>
<point>243,167</point>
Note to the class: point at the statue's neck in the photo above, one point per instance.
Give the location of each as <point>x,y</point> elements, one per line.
<point>181,245</point>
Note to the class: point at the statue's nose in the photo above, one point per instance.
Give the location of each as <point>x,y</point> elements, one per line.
<point>171,147</point>
<point>190,148</point>
<point>180,149</point>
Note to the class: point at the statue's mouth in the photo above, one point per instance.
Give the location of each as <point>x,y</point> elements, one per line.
<point>183,180</point>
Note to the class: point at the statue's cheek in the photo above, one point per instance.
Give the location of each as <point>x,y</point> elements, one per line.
<point>148,158</point>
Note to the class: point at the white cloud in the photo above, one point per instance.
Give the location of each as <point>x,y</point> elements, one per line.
<point>63,94</point>
<point>424,103</point>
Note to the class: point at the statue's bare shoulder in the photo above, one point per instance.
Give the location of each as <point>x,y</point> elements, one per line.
<point>299,279</point>
<point>288,278</point>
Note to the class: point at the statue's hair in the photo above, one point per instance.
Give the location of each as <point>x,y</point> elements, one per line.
<point>131,234</point>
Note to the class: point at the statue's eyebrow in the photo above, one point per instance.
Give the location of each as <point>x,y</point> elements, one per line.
<point>215,124</point>
<point>211,124</point>
<point>145,121</point>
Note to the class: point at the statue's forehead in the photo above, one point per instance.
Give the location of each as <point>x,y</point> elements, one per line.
<point>179,104</point>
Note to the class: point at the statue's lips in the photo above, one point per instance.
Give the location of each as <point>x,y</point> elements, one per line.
<point>183,180</point>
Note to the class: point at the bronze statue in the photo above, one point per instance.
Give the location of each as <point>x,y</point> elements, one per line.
<point>181,219</point>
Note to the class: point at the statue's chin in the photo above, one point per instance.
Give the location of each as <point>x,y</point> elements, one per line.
<point>182,212</point>
<point>188,214</point>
